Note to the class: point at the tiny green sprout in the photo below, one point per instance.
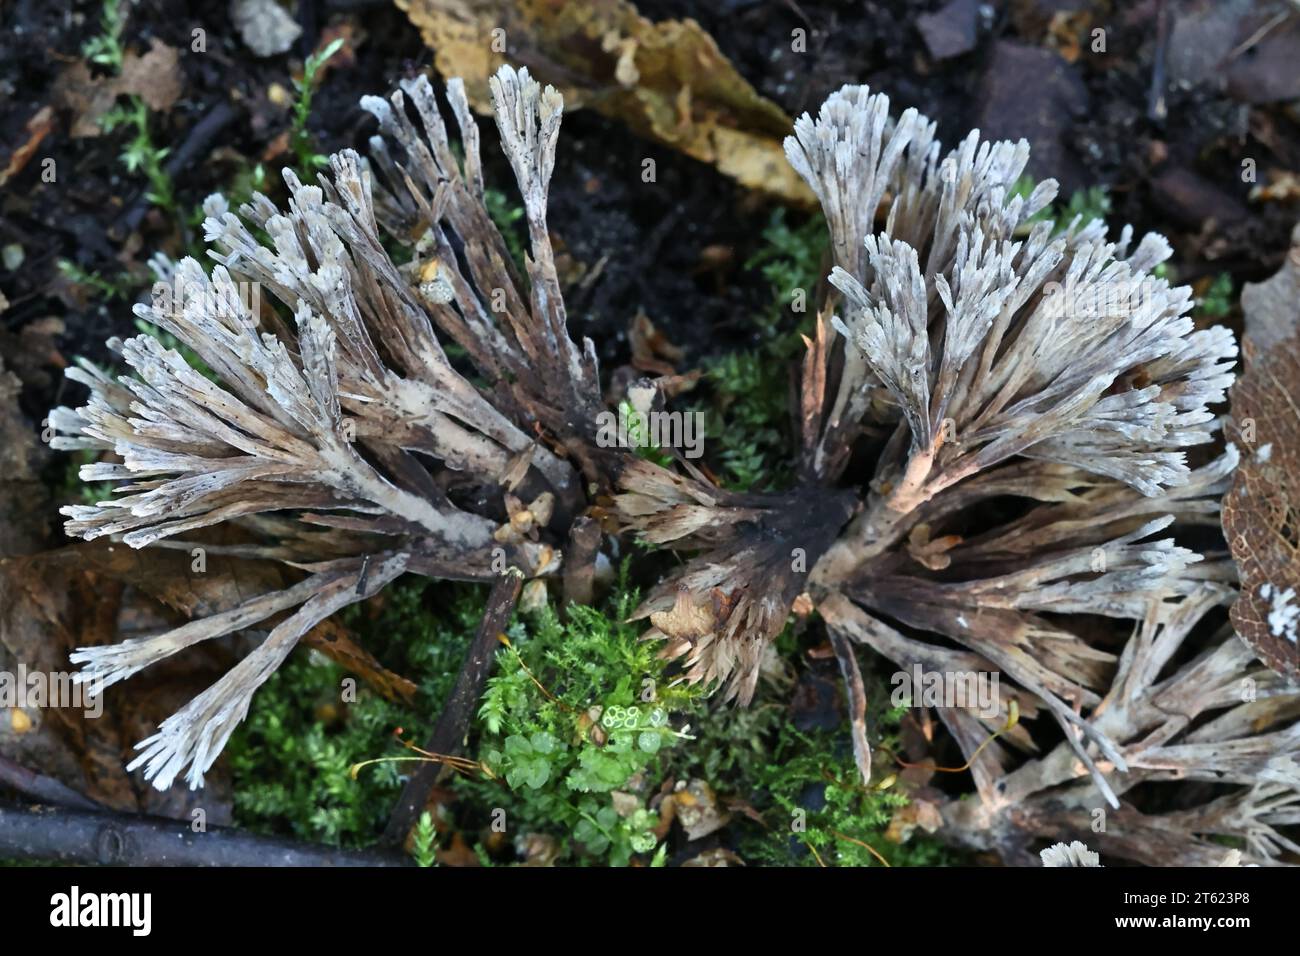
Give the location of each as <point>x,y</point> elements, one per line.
<point>118,288</point>
<point>639,439</point>
<point>1088,204</point>
<point>308,159</point>
<point>141,154</point>
<point>422,841</point>
<point>506,216</point>
<point>1217,301</point>
<point>106,47</point>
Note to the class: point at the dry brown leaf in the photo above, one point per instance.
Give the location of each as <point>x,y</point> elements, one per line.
<point>686,621</point>
<point>1270,306</point>
<point>155,77</point>
<point>652,351</point>
<point>667,80</point>
<point>1282,186</point>
<point>917,813</point>
<point>335,641</point>
<point>1261,512</point>
<point>55,601</point>
<point>698,810</point>
<point>87,97</point>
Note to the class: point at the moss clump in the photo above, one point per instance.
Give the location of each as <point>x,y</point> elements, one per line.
<point>291,758</point>
<point>750,387</point>
<point>579,710</point>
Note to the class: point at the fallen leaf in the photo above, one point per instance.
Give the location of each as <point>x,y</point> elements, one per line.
<point>1270,306</point>
<point>87,97</point>
<point>917,813</point>
<point>335,641</point>
<point>667,80</point>
<point>155,77</point>
<point>686,621</point>
<point>718,856</point>
<point>1282,186</point>
<point>698,811</point>
<point>1261,512</point>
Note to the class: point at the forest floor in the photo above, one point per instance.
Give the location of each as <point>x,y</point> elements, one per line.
<point>118,119</point>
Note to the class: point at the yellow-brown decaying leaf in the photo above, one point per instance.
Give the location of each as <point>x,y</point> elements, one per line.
<point>667,80</point>
<point>154,76</point>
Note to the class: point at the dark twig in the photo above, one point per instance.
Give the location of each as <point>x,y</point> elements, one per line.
<point>453,723</point>
<point>580,563</point>
<point>113,839</point>
<point>40,788</point>
<point>857,702</point>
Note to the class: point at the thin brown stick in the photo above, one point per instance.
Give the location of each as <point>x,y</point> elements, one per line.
<point>866,846</point>
<point>857,702</point>
<point>453,723</point>
<point>580,560</point>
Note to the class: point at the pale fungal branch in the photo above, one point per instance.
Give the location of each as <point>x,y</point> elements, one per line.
<point>194,736</point>
<point>852,155</point>
<point>992,346</point>
<point>516,331</point>
<point>333,403</point>
<point>1070,854</point>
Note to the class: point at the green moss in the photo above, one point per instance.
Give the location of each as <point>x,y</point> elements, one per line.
<point>507,215</point>
<point>749,389</point>
<point>291,757</point>
<point>141,154</point>
<point>423,838</point>
<point>308,160</point>
<point>815,808</point>
<point>580,709</point>
<point>105,48</point>
<point>1088,204</point>
<point>790,259</point>
<point>1218,299</point>
<point>579,727</point>
<point>749,394</point>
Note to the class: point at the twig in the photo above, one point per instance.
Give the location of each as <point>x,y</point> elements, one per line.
<point>857,702</point>
<point>1258,35</point>
<point>113,839</point>
<point>40,788</point>
<point>580,563</point>
<point>453,723</point>
<point>866,846</point>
